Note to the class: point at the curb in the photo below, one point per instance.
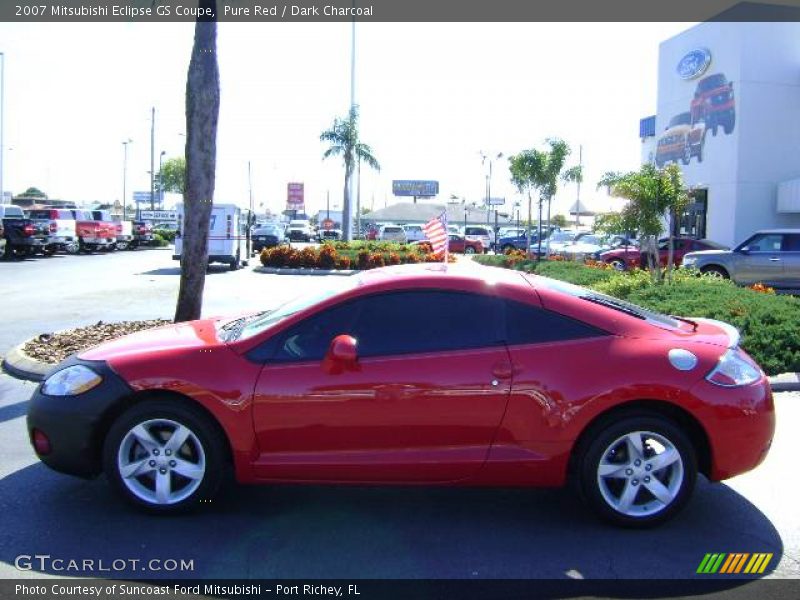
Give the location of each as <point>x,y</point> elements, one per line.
<point>287,271</point>
<point>18,364</point>
<point>786,382</point>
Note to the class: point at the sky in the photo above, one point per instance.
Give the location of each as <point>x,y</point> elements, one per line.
<point>432,98</point>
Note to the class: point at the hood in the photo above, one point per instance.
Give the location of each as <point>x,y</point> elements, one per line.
<point>181,336</point>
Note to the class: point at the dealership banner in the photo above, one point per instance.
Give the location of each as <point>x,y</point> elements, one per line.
<point>272,11</point>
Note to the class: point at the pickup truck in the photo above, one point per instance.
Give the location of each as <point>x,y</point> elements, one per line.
<point>23,237</point>
<point>60,226</point>
<point>93,234</point>
<point>142,234</point>
<point>123,232</point>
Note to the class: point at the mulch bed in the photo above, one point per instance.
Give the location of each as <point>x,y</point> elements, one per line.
<point>52,348</point>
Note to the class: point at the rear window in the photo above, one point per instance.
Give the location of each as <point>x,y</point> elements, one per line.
<point>40,214</point>
<point>14,212</point>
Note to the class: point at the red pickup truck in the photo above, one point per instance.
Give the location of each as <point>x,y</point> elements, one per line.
<point>93,234</point>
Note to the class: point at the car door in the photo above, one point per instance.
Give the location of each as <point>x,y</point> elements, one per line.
<point>429,392</point>
<point>760,260</point>
<point>791,260</point>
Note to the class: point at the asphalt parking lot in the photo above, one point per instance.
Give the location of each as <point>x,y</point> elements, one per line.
<point>337,532</point>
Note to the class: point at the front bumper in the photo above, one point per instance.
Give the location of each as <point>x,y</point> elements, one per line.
<point>76,425</point>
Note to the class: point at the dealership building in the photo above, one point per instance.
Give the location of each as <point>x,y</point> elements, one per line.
<point>728,114</point>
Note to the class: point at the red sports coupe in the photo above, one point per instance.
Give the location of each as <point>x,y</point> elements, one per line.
<point>416,375</point>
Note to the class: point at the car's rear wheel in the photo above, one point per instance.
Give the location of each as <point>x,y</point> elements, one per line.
<point>618,264</point>
<point>637,471</point>
<point>164,456</point>
<point>716,272</point>
<point>469,250</point>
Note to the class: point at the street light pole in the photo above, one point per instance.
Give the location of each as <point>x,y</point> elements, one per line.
<point>2,125</point>
<point>152,158</point>
<point>125,178</point>
<point>161,180</point>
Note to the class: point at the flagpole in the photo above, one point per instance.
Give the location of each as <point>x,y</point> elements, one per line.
<point>446,242</point>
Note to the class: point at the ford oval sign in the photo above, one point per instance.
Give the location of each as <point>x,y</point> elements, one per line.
<point>694,63</point>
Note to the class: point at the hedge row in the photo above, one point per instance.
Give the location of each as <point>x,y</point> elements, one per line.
<point>341,256</point>
<point>769,324</point>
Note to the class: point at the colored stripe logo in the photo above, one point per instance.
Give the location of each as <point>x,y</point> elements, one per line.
<point>734,563</point>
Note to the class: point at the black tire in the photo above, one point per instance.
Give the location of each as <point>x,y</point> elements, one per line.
<point>715,271</point>
<point>608,442</point>
<point>236,263</point>
<point>469,250</point>
<point>156,416</point>
<point>618,264</point>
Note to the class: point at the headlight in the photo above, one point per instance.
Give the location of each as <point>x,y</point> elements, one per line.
<point>689,261</point>
<point>71,381</point>
<point>734,370</point>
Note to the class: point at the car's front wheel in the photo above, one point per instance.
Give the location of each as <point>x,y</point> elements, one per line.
<point>637,471</point>
<point>164,456</point>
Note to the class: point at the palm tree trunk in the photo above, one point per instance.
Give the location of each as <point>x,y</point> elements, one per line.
<point>347,216</point>
<point>202,113</point>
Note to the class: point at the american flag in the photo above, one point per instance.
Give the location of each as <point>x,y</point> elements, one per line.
<point>436,232</point>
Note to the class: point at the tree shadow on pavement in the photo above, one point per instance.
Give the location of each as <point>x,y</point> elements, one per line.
<point>372,532</point>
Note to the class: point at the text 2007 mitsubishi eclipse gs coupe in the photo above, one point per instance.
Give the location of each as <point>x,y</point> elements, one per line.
<point>415,375</point>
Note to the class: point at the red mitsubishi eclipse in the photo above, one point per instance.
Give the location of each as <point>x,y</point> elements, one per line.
<point>415,375</point>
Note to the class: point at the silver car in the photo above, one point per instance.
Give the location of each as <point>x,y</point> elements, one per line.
<point>771,257</point>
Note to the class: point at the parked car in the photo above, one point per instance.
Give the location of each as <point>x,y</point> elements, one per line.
<point>511,232</point>
<point>23,236</point>
<point>329,235</point>
<point>477,232</point>
<point>593,244</point>
<point>517,241</point>
<point>370,382</point>
<point>299,230</point>
<point>714,103</point>
<point>558,241</point>
<point>770,256</point>
<point>60,227</point>
<point>457,244</point>
<point>142,234</point>
<point>2,239</point>
<point>93,234</point>
<point>392,233</point>
<point>623,258</point>
<point>267,235</point>
<point>123,230</point>
<point>414,232</point>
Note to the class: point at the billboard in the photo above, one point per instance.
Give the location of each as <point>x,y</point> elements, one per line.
<point>414,187</point>
<point>294,196</point>
<point>144,197</point>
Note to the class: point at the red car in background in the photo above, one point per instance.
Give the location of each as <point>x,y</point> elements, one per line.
<point>631,257</point>
<point>416,374</point>
<point>457,244</point>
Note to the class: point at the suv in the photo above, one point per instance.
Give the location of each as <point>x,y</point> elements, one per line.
<point>484,234</point>
<point>299,230</point>
<point>683,139</point>
<point>392,233</point>
<point>771,256</point>
<point>414,232</point>
<point>714,103</point>
<point>60,226</point>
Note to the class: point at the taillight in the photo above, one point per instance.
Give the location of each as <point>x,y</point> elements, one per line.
<point>734,369</point>
<point>53,227</point>
<point>28,230</point>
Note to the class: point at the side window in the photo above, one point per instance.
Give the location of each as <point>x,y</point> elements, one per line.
<point>310,339</point>
<point>768,242</point>
<point>426,321</point>
<point>526,324</point>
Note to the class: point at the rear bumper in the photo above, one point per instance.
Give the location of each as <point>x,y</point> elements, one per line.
<point>98,241</point>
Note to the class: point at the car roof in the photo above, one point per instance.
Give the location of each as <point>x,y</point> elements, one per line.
<point>781,230</point>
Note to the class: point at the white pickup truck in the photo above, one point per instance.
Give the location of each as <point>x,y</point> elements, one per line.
<point>60,227</point>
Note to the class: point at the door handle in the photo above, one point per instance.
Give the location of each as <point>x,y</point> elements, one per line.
<point>774,259</point>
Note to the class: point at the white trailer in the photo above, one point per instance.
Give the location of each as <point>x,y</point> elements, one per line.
<point>228,235</point>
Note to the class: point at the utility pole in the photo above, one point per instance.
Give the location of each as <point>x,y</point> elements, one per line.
<point>250,188</point>
<point>125,177</point>
<point>358,201</point>
<point>2,125</point>
<point>161,180</point>
<point>578,202</point>
<point>152,158</point>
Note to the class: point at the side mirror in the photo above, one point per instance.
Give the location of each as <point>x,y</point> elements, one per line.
<point>342,355</point>
<point>745,249</point>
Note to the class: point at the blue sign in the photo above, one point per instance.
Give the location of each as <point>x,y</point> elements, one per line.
<point>694,63</point>
<point>411,187</point>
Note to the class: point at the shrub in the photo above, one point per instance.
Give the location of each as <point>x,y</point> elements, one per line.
<point>327,257</point>
<point>307,258</point>
<point>375,261</point>
<point>394,258</point>
<point>362,259</point>
<point>159,241</point>
<point>343,263</point>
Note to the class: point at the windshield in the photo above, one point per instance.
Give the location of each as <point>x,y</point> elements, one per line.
<point>562,236</point>
<point>241,329</point>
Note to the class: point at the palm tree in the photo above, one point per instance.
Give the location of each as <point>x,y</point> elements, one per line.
<point>344,142</point>
<point>202,113</point>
